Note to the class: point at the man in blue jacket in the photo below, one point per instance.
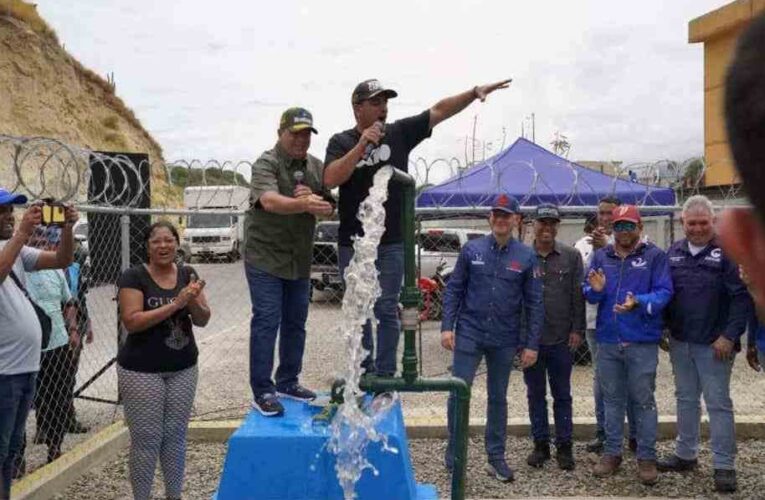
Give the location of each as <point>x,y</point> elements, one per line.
<point>495,280</point>
<point>631,284</point>
<point>707,316</point>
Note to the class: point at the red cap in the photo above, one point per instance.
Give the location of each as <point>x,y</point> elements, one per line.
<point>630,213</point>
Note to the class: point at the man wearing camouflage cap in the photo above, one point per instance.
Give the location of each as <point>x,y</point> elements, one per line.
<point>286,197</point>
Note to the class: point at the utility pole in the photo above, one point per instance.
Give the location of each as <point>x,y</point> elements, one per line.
<point>533,129</point>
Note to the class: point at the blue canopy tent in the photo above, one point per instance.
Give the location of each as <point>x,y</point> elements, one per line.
<point>535,175</point>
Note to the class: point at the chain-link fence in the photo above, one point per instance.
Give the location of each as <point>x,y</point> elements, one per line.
<point>119,196</point>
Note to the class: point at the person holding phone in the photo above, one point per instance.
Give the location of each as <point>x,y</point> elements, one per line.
<point>20,329</point>
<point>159,302</point>
<point>53,396</point>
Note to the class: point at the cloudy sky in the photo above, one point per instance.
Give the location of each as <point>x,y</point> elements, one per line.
<point>210,79</point>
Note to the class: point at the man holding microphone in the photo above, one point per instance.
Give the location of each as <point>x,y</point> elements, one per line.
<point>286,197</point>
<point>353,157</point>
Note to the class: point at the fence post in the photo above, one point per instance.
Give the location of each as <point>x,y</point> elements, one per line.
<point>125,241</point>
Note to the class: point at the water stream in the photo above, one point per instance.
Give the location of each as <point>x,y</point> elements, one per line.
<point>353,426</point>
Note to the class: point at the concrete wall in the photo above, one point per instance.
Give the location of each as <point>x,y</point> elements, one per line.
<point>719,30</point>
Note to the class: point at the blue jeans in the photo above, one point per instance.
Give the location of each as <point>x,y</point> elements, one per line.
<point>597,394</point>
<point>499,362</point>
<point>698,372</point>
<point>278,305</point>
<point>390,264</point>
<point>554,362</point>
<point>16,395</point>
<point>628,372</point>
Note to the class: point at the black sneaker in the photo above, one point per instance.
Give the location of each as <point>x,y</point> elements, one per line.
<point>296,392</point>
<point>499,470</point>
<point>540,455</point>
<point>725,480</point>
<point>268,405</point>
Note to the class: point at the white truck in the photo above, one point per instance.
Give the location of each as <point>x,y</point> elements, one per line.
<point>215,235</point>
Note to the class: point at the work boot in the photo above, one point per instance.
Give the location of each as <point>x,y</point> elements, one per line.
<point>647,472</point>
<point>565,456</point>
<point>596,445</point>
<point>676,464</point>
<point>607,466</point>
<point>725,480</point>
<point>540,455</point>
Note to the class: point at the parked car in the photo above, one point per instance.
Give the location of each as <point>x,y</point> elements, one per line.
<point>325,271</point>
<point>437,245</point>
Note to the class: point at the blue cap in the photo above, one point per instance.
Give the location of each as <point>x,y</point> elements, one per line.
<point>506,204</point>
<point>8,198</point>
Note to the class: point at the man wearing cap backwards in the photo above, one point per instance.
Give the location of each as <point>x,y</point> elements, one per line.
<point>20,333</point>
<point>631,283</point>
<point>353,157</point>
<point>564,324</point>
<point>286,197</point>
<point>494,281</point>
<point>707,316</point>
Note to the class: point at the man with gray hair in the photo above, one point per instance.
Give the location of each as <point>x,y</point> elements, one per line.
<point>706,318</point>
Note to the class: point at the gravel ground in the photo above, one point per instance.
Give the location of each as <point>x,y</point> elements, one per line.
<point>205,461</point>
<point>223,391</point>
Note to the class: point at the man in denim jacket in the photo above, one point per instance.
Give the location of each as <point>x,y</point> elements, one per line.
<point>495,281</point>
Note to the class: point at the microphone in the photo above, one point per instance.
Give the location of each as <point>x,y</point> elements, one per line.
<point>368,150</point>
<point>298,175</point>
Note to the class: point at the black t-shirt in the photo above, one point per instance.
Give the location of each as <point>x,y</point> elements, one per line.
<point>165,347</point>
<point>400,138</point>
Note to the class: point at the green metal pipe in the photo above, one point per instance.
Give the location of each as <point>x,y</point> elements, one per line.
<point>461,391</point>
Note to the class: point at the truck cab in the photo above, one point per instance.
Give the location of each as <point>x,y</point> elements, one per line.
<point>218,232</point>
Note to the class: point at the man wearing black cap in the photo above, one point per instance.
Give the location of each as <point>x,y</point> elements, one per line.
<point>495,281</point>
<point>561,269</point>
<point>20,328</point>
<point>353,157</point>
<point>287,196</point>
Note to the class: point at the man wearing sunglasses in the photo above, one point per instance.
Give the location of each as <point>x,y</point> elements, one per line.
<point>601,236</point>
<point>353,157</point>
<point>631,284</point>
<point>704,341</point>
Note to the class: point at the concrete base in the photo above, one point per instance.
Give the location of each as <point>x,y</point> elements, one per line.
<point>287,458</point>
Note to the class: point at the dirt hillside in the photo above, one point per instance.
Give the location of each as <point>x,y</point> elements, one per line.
<point>45,92</point>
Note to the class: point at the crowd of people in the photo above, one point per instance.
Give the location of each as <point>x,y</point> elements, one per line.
<point>506,302</point>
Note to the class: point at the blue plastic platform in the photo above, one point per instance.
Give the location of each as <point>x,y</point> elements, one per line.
<point>285,458</point>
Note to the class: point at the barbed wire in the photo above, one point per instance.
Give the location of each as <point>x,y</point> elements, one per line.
<point>48,168</point>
